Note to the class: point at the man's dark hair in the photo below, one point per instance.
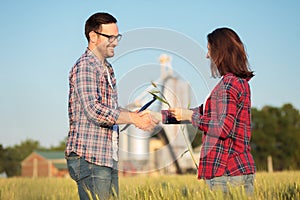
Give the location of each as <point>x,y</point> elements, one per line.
<point>94,22</point>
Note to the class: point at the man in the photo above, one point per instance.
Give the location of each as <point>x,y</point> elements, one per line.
<point>92,144</point>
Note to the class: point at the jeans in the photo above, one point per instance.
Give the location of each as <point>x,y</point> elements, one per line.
<point>93,181</point>
<point>222,183</point>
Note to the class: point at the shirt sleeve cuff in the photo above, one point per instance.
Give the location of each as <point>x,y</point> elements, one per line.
<point>113,116</point>
<point>197,113</point>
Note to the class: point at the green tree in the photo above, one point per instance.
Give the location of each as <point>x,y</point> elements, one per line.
<point>61,146</point>
<point>289,137</point>
<point>12,156</point>
<point>276,132</point>
<point>2,158</point>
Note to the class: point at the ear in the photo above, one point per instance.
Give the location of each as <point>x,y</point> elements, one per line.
<point>93,37</point>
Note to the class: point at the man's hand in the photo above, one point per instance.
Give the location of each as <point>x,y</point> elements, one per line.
<point>156,115</point>
<point>144,120</point>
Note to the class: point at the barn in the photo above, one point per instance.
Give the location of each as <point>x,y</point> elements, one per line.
<point>44,164</point>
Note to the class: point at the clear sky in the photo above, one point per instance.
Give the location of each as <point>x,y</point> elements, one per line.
<point>41,40</point>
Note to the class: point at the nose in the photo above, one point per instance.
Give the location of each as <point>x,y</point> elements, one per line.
<point>115,42</point>
<point>207,55</point>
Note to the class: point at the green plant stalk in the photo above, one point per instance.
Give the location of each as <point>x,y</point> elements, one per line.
<point>164,100</point>
<point>159,98</point>
<point>188,146</point>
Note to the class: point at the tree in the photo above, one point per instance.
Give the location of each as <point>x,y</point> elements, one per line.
<point>12,156</point>
<point>2,158</point>
<point>60,147</point>
<point>276,132</point>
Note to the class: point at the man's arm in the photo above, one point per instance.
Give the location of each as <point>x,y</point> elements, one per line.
<point>86,88</point>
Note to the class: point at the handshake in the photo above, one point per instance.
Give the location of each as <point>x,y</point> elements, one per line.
<point>147,120</point>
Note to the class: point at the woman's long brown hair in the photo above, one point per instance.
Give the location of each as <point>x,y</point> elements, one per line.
<point>228,53</point>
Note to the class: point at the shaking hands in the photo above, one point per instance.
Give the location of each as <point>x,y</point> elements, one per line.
<point>145,120</point>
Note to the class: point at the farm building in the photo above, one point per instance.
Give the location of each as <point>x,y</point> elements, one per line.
<point>45,164</point>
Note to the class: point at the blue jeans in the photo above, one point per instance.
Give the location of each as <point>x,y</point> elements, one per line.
<point>93,181</point>
<point>223,182</point>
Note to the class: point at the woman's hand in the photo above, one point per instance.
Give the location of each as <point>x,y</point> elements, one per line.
<point>182,114</point>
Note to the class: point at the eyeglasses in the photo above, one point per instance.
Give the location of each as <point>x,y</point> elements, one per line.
<point>111,38</point>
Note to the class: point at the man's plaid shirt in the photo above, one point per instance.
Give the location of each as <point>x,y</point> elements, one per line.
<point>226,123</point>
<point>92,110</point>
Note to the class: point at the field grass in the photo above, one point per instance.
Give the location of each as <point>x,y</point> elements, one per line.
<point>279,185</point>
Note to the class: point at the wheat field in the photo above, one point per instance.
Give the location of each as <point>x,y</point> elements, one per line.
<point>277,185</point>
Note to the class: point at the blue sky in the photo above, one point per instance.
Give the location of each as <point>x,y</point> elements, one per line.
<point>41,40</point>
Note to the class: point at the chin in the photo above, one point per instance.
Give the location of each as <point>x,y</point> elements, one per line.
<point>110,55</point>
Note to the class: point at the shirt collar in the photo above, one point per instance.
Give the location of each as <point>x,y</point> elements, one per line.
<point>90,53</point>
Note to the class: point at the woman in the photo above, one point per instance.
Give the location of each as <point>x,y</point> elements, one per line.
<point>225,117</point>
